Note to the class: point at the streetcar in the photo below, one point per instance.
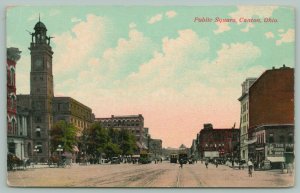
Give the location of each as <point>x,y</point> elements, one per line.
<point>173,158</point>
<point>183,156</point>
<point>145,158</point>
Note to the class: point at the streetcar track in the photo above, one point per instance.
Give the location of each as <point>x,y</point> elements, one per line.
<point>116,177</point>
<point>178,178</point>
<point>199,183</point>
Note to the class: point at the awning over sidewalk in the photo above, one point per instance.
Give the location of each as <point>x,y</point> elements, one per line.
<point>250,141</point>
<point>276,159</point>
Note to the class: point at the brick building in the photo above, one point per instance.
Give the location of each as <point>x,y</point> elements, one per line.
<point>16,132</point>
<point>223,141</point>
<point>271,98</point>
<point>271,115</point>
<point>133,123</point>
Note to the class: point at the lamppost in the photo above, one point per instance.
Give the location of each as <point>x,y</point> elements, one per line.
<point>22,150</point>
<point>59,149</point>
<point>36,150</point>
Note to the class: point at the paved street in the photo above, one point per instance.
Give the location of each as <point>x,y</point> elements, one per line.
<point>149,175</point>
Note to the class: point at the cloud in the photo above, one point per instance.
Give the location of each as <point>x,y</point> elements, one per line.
<point>222,27</point>
<point>155,19</point>
<point>75,19</point>
<point>171,14</point>
<point>176,79</point>
<point>127,55</point>
<point>54,12</point>
<point>75,46</point>
<point>247,28</point>
<point>287,37</point>
<point>252,12</point>
<point>132,25</point>
<point>22,74</point>
<point>35,17</point>
<point>269,35</point>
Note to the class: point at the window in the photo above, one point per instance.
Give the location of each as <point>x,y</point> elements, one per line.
<point>271,138</point>
<point>38,119</point>
<point>38,132</point>
<point>39,147</point>
<point>13,125</point>
<point>281,139</point>
<point>12,76</point>
<point>291,138</point>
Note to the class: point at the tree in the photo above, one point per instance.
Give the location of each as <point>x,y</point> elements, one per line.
<point>96,139</point>
<point>127,142</point>
<point>112,150</point>
<point>64,134</point>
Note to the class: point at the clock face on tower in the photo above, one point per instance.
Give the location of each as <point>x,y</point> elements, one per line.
<point>38,64</point>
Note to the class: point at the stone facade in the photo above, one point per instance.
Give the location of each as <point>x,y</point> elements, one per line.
<point>40,109</point>
<point>244,118</point>
<point>72,111</point>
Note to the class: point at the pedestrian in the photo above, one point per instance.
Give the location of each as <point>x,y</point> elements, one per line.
<point>181,163</point>
<point>216,162</point>
<point>206,163</point>
<point>250,167</point>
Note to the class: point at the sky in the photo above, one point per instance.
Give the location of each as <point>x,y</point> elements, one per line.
<point>157,61</point>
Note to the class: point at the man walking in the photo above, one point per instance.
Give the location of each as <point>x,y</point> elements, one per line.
<point>250,167</point>
<point>206,163</point>
<point>181,163</point>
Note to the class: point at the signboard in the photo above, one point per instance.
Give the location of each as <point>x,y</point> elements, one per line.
<point>277,149</point>
<point>211,154</point>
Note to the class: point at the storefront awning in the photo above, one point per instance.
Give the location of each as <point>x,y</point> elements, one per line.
<point>250,141</point>
<point>276,159</point>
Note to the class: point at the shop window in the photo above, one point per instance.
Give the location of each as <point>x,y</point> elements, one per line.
<point>271,138</point>
<point>291,138</point>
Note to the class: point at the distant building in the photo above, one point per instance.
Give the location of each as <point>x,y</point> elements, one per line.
<point>155,147</point>
<point>218,142</point>
<point>133,123</point>
<point>271,114</point>
<point>244,118</point>
<point>194,149</point>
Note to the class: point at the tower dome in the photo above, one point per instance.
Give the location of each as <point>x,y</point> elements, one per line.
<point>40,25</point>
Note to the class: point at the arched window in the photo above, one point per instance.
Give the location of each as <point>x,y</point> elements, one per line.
<point>38,132</point>
<point>29,150</point>
<point>12,100</point>
<point>12,76</point>
<point>13,125</point>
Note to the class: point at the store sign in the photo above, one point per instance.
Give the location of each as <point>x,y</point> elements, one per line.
<point>277,149</point>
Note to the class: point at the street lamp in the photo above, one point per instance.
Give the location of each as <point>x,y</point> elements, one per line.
<point>36,150</point>
<point>59,149</point>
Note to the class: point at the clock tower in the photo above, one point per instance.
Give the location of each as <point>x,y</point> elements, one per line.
<point>41,91</point>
